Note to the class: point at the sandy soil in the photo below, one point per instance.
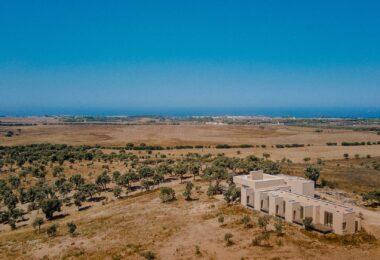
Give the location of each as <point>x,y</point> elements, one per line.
<point>171,135</point>
<point>123,229</point>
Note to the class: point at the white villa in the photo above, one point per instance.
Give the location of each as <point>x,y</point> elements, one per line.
<point>292,198</point>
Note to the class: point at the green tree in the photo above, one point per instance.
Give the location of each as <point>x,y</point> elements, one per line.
<point>146,172</point>
<point>188,189</point>
<point>216,174</point>
<point>77,180</point>
<point>312,173</point>
<point>14,181</point>
<point>180,170</point>
<point>102,180</point>
<point>89,189</point>
<point>38,223</point>
<point>79,198</point>
<point>232,194</point>
<point>117,191</point>
<point>194,168</point>
<point>115,176</point>
<point>49,206</point>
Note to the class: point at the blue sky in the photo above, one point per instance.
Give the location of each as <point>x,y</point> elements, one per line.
<point>70,55</point>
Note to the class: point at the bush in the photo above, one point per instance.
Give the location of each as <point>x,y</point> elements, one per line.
<point>71,227</point>
<point>308,223</point>
<point>227,238</point>
<point>149,255</point>
<point>167,194</point>
<point>52,230</point>
<point>117,191</point>
<point>232,194</point>
<point>264,236</point>
<point>279,226</point>
<point>263,222</point>
<point>188,189</point>
<point>212,190</point>
<point>246,221</point>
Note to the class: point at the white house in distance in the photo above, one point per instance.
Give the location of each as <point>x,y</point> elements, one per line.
<point>292,198</point>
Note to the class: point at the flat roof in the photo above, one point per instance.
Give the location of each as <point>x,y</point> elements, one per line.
<point>304,198</point>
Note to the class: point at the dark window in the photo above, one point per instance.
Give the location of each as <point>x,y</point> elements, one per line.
<point>328,218</point>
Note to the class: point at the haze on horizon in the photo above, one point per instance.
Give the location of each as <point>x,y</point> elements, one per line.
<point>60,55</point>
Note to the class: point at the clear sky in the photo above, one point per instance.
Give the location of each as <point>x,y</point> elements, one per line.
<point>59,55</point>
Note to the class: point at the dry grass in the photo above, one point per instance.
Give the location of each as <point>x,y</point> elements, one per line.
<point>354,175</point>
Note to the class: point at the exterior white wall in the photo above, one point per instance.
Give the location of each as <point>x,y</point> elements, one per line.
<point>243,197</point>
<point>268,183</point>
<point>295,192</point>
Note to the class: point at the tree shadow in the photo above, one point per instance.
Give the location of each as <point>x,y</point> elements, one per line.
<point>84,208</point>
<point>170,179</point>
<point>96,199</point>
<point>60,216</point>
<point>22,220</point>
<point>134,188</point>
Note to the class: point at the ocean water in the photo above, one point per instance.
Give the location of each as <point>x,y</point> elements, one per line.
<point>308,112</point>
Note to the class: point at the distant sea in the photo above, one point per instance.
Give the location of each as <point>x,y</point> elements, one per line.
<point>309,112</point>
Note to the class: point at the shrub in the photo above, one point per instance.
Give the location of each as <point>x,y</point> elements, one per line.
<point>188,189</point>
<point>263,222</point>
<point>167,194</point>
<point>308,223</point>
<point>221,219</point>
<point>312,173</point>
<point>149,255</point>
<point>212,190</point>
<point>71,227</point>
<point>246,221</point>
<point>117,191</point>
<point>227,238</point>
<point>52,230</point>
<point>232,194</point>
<point>279,226</point>
<point>264,236</point>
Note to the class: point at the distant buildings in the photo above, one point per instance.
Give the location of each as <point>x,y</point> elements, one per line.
<point>292,198</point>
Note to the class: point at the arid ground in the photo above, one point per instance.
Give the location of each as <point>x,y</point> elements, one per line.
<point>138,222</point>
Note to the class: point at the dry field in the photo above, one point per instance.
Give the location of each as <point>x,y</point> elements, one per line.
<point>199,134</point>
<point>126,228</point>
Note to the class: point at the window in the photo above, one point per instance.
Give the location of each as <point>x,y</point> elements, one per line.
<point>301,211</point>
<point>294,214</point>
<point>247,199</point>
<point>328,218</point>
<point>277,209</point>
<point>283,206</point>
<point>262,203</point>
<point>344,224</point>
<point>356,226</point>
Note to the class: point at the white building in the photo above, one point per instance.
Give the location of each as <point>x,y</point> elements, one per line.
<point>292,198</point>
